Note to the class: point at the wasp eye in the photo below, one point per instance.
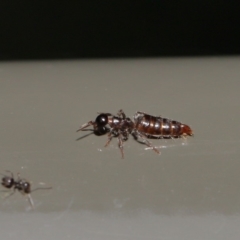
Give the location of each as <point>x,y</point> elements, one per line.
<point>102,120</point>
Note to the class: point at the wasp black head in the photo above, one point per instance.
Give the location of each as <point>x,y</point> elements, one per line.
<point>102,120</point>
<point>100,124</point>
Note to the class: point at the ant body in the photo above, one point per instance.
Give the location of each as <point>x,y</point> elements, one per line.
<point>142,127</point>
<point>20,184</point>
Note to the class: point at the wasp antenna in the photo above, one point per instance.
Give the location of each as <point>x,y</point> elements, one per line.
<point>85,125</point>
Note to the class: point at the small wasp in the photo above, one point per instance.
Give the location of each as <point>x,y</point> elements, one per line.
<point>20,184</point>
<point>142,127</point>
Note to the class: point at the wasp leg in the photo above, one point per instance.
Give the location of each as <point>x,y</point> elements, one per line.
<point>121,114</point>
<point>109,139</point>
<point>91,123</point>
<point>120,145</point>
<point>184,137</point>
<point>138,135</point>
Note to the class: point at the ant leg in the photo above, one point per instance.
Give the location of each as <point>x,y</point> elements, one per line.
<point>29,197</point>
<point>120,145</point>
<point>138,135</point>
<point>9,195</point>
<point>30,200</point>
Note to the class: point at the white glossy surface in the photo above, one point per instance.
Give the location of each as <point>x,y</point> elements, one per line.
<point>191,191</point>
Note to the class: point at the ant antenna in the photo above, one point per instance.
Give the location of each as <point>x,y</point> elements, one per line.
<point>40,188</point>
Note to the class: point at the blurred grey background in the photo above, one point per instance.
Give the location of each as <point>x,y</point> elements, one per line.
<point>190,191</point>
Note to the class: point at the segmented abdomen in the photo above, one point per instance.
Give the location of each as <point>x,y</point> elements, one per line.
<point>157,126</point>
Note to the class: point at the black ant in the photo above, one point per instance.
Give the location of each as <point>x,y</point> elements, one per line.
<point>20,184</point>
<point>143,126</point>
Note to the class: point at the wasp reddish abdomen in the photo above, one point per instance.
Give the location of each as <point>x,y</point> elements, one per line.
<point>160,127</point>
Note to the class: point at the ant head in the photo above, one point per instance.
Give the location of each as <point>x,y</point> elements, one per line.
<point>7,182</point>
